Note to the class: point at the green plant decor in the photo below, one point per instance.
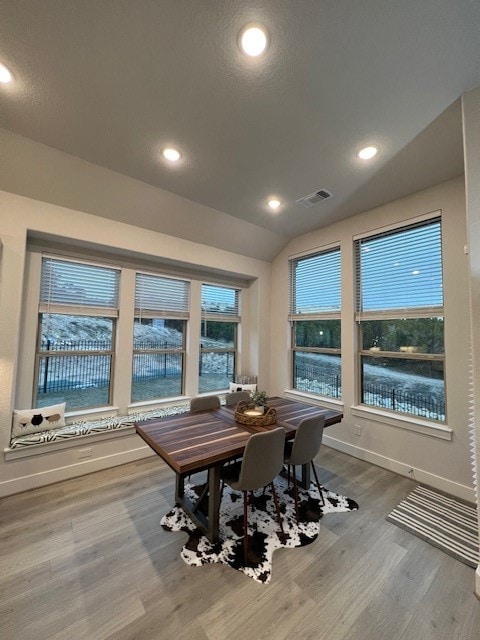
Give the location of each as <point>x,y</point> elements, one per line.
<point>259,398</point>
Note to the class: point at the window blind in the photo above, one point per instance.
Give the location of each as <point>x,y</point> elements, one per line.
<point>161,297</point>
<point>399,273</point>
<point>68,286</point>
<point>220,303</point>
<point>315,286</point>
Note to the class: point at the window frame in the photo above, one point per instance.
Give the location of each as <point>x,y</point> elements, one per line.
<point>385,314</point>
<point>162,311</point>
<point>120,382</point>
<point>295,317</point>
<point>72,309</point>
<point>233,318</point>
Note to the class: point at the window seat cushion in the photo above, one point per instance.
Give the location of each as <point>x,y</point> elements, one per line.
<point>88,427</point>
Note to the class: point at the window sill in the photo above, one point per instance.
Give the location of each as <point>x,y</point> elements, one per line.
<point>312,398</point>
<point>417,425</point>
<point>216,392</point>
<point>74,441</point>
<point>86,414</point>
<point>158,403</point>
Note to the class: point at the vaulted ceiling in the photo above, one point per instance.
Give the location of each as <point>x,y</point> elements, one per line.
<point>114,82</point>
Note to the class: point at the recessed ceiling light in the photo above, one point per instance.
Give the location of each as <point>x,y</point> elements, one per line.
<point>171,154</point>
<point>415,272</point>
<point>367,153</point>
<point>5,74</point>
<point>253,39</point>
<point>274,204</point>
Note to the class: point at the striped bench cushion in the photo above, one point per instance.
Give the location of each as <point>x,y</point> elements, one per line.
<point>87,427</point>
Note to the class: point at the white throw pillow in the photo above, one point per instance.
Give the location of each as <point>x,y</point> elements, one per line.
<point>26,421</point>
<point>242,387</point>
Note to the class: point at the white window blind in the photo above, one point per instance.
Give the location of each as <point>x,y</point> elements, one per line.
<point>161,297</point>
<point>315,286</point>
<point>69,286</point>
<point>220,303</point>
<point>399,273</point>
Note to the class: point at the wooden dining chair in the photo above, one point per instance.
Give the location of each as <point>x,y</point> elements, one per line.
<point>234,397</point>
<point>303,450</point>
<point>262,462</point>
<point>204,403</point>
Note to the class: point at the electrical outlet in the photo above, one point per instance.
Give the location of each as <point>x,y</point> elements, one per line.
<point>358,430</point>
<point>84,453</point>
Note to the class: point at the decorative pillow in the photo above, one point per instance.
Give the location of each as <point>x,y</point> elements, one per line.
<point>27,421</point>
<point>242,387</point>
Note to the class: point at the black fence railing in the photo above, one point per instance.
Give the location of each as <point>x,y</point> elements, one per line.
<point>63,373</point>
<point>76,345</point>
<point>156,365</point>
<point>314,380</point>
<point>417,404</point>
<point>156,344</point>
<point>69,372</point>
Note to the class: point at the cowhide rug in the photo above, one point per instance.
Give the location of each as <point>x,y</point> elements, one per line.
<point>264,532</point>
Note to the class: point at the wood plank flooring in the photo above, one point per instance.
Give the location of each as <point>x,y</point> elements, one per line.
<point>87,559</point>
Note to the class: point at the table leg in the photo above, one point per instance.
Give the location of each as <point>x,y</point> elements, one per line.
<point>213,503</point>
<point>207,522</point>
<point>179,487</point>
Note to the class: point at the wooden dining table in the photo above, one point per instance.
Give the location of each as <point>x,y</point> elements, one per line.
<point>206,440</point>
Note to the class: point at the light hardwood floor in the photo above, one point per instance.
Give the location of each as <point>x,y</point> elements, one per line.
<point>87,559</point>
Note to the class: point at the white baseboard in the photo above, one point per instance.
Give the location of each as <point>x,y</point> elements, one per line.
<point>49,476</point>
<point>419,475</point>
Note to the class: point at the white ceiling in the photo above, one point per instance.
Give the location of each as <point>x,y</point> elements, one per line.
<point>112,82</point>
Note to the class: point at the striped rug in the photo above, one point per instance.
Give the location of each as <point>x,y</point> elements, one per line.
<point>441,520</point>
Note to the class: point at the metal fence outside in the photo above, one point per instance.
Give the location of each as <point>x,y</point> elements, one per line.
<point>76,345</point>
<point>315,380</point>
<point>67,372</point>
<point>61,373</point>
<point>415,403</point>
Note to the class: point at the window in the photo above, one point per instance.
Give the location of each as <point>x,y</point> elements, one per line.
<point>315,317</point>
<point>75,347</point>
<point>218,337</point>
<point>161,313</point>
<point>399,310</point>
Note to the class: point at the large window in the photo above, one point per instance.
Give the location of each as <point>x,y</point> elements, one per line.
<point>75,347</point>
<point>315,301</point>
<point>161,313</point>
<point>218,339</point>
<point>399,311</point>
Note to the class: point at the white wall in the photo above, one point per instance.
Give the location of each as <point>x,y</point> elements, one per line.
<point>440,462</point>
<point>34,170</point>
<point>471,134</point>
<point>20,215</point>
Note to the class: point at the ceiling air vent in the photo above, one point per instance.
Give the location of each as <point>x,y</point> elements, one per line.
<point>314,198</point>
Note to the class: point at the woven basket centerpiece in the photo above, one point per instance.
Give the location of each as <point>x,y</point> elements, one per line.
<point>247,414</point>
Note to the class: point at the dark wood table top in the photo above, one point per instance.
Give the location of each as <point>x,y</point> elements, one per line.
<point>190,442</point>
